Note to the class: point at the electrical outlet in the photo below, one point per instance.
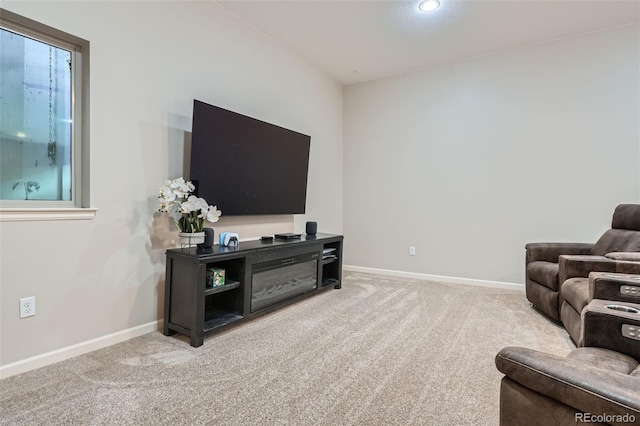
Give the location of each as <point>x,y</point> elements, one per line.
<point>412,251</point>
<point>27,307</point>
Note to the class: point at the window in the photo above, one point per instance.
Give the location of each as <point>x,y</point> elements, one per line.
<point>44,122</point>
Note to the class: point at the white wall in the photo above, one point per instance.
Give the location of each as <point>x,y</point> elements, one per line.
<point>149,60</point>
<point>471,160</point>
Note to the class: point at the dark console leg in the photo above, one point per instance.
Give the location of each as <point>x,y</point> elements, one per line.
<point>196,341</point>
<point>167,298</point>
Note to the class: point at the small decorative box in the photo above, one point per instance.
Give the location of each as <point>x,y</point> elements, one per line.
<point>215,277</point>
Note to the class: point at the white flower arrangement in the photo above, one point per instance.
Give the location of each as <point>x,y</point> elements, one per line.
<point>189,211</point>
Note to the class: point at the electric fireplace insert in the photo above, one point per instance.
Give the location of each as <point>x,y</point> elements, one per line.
<point>282,279</point>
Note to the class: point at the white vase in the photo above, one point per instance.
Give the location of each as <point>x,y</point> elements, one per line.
<point>188,239</point>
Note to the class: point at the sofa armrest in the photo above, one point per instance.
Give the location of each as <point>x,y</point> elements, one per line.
<point>611,286</point>
<point>605,322</point>
<point>549,252</point>
<point>587,389</point>
<point>580,266</point>
<point>627,267</point>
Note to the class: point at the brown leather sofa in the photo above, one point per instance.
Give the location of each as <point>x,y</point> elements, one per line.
<point>596,384</point>
<point>590,385</point>
<point>550,265</point>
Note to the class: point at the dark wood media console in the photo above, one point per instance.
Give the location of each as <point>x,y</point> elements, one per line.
<point>259,278</point>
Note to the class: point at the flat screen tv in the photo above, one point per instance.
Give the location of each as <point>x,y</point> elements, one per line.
<point>245,166</point>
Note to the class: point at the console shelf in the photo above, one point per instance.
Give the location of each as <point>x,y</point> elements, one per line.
<point>259,277</point>
<point>330,281</point>
<point>220,319</point>
<point>230,285</point>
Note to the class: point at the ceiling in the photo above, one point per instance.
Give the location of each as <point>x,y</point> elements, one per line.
<point>361,40</point>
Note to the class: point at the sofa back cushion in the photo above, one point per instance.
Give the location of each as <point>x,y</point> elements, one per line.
<point>615,240</point>
<point>626,216</point>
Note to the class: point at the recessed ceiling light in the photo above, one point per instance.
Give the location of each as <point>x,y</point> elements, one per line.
<point>429,5</point>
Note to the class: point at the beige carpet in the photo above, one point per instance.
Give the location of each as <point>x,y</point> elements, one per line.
<point>380,351</point>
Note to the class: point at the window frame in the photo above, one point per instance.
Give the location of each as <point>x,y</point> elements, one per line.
<point>79,206</point>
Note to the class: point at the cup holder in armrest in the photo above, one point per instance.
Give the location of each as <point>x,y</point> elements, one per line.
<point>622,308</point>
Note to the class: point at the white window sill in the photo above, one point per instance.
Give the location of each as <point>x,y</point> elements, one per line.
<point>53,213</point>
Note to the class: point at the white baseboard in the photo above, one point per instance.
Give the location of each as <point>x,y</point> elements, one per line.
<point>62,354</point>
<point>440,278</point>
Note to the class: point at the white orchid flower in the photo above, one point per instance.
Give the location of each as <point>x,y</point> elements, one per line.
<point>180,188</point>
<point>182,195</point>
<point>167,194</point>
<point>193,211</point>
<point>191,205</point>
<point>213,214</point>
<point>166,199</point>
<point>202,204</point>
<point>177,183</point>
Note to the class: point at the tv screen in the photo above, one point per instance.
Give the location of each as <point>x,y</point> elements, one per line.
<point>245,166</point>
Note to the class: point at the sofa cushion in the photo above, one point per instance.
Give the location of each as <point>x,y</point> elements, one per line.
<point>617,240</point>
<point>544,273</point>
<point>605,359</point>
<point>575,291</point>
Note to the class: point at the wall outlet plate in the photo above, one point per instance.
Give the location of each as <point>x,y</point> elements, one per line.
<point>27,307</point>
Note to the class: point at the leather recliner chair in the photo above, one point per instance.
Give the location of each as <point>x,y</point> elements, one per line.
<point>549,265</point>
<point>590,385</point>
<point>595,384</point>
